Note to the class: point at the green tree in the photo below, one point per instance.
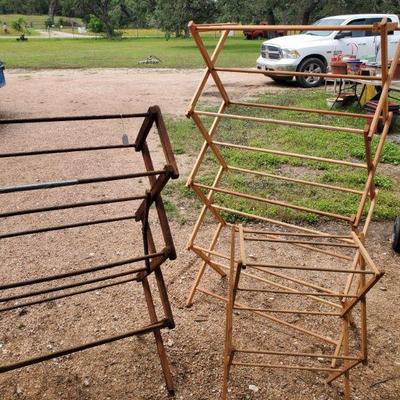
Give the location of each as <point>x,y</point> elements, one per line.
<point>20,25</point>
<point>174,15</point>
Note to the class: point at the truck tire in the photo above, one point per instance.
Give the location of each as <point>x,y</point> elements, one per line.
<point>311,64</point>
<point>282,79</point>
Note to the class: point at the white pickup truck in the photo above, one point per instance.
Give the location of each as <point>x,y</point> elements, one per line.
<point>311,50</point>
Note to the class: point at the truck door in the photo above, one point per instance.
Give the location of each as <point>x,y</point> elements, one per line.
<point>393,40</point>
<point>358,43</point>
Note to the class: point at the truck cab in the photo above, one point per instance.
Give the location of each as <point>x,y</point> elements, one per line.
<point>311,51</point>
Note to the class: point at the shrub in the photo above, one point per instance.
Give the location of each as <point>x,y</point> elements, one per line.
<point>95,25</point>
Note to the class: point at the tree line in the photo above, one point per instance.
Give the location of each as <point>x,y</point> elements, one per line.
<point>172,16</point>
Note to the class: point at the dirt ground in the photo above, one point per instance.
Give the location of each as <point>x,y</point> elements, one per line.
<point>72,92</point>
<point>129,369</point>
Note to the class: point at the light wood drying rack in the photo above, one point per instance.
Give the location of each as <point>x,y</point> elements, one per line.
<point>361,272</point>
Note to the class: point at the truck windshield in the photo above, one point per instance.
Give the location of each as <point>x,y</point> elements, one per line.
<point>325,22</point>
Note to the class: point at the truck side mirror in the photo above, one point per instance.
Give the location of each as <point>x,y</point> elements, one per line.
<point>343,34</point>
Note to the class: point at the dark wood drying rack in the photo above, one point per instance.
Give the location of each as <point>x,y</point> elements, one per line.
<point>71,283</point>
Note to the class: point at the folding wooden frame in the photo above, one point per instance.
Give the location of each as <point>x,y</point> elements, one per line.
<point>41,289</point>
<point>359,278</point>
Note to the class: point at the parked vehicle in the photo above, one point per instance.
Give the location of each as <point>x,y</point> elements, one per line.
<point>256,33</point>
<point>311,51</point>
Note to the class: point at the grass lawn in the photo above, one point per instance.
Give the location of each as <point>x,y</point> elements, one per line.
<point>338,145</point>
<point>95,53</point>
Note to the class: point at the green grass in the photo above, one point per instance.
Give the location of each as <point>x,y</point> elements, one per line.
<point>322,143</point>
<point>89,53</point>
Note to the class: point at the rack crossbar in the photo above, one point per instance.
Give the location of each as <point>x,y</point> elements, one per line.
<point>274,310</point>
<point>79,181</point>
<point>281,122</point>
<point>254,239</point>
<point>65,150</point>
<point>295,73</point>
<point>67,226</point>
<point>291,354</point>
<point>301,109</point>
<point>274,202</point>
<point>304,268</point>
<point>65,295</point>
<point>81,271</point>
<point>283,366</point>
<point>71,205</point>
<point>296,293</point>
<point>294,180</point>
<point>286,28</point>
<point>70,285</point>
<point>72,118</point>
<point>289,154</point>
<point>150,328</point>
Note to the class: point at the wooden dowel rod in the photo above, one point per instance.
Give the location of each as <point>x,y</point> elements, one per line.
<point>255,239</point>
<point>316,298</point>
<point>208,139</point>
<point>327,252</point>
<point>280,122</point>
<point>273,28</point>
<point>275,202</point>
<point>365,254</point>
<point>296,293</point>
<point>301,109</point>
<point>296,280</point>
<point>243,257</point>
<point>277,320</point>
<point>204,148</point>
<point>324,235</point>
<point>295,180</point>
<point>370,212</point>
<point>202,269</point>
<point>294,73</point>
<point>303,268</point>
<point>371,172</point>
<point>288,154</point>
<point>204,209</point>
<point>210,65</point>
<point>284,353</point>
<point>203,198</point>
<point>274,310</point>
<point>264,219</point>
<point>282,366</point>
<point>206,73</point>
<point>384,65</point>
<point>338,374</point>
<point>316,233</point>
<point>213,252</point>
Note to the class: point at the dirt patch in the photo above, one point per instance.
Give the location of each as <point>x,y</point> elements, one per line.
<point>99,91</point>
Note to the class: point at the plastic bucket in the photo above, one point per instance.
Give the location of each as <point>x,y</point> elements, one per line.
<point>2,77</point>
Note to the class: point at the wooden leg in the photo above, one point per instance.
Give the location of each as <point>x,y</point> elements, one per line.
<point>189,301</point>
<point>347,390</point>
<point>228,353</point>
<point>157,334</point>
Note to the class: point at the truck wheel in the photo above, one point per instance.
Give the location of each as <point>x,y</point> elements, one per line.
<point>396,236</point>
<point>311,65</point>
<point>282,79</point>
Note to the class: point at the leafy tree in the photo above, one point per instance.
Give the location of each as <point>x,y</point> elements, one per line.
<point>20,25</point>
<point>174,15</point>
<point>107,11</point>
